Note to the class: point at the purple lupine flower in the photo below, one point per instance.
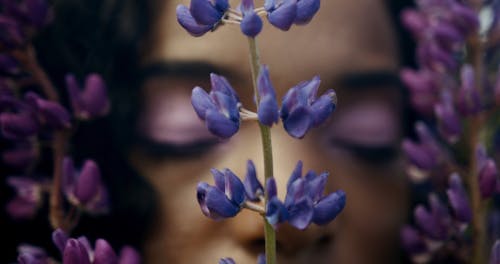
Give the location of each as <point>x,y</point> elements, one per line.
<point>220,108</point>
<point>276,213</point>
<point>28,197</point>
<point>202,15</point>
<point>32,255</point>
<point>488,177</point>
<point>495,253</point>
<point>20,156</point>
<point>11,35</point>
<point>84,189</point>
<point>423,89</point>
<point>433,223</point>
<point>50,113</point>
<point>224,199</point>
<point>301,110</point>
<point>449,124</point>
<point>414,244</point>
<point>261,259</point>
<point>92,101</point>
<point>424,156</point>
<point>9,65</point>
<point>226,261</point>
<point>458,199</point>
<point>104,253</point>
<point>469,100</point>
<point>253,187</point>
<point>18,126</point>
<point>435,57</point>
<point>251,24</point>
<point>59,238</point>
<point>32,13</point>
<point>281,14</point>
<point>129,255</point>
<point>306,9</point>
<point>76,252</point>
<point>187,21</point>
<point>305,201</point>
<point>268,111</point>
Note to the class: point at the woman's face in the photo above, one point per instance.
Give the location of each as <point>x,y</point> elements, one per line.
<point>352,47</point>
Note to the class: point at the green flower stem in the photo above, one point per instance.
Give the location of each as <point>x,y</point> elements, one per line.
<point>265,132</point>
<point>477,203</point>
<point>476,125</point>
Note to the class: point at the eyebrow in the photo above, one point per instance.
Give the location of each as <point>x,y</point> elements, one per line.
<point>190,69</point>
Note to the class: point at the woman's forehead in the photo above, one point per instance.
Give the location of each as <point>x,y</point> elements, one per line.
<point>344,36</point>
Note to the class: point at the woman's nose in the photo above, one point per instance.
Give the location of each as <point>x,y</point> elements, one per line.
<point>248,227</point>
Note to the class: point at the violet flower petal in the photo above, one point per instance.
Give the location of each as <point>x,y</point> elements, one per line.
<point>276,212</point>
<point>306,9</point>
<point>234,188</point>
<point>488,175</point>
<point>458,199</point>
<point>129,255</point>
<point>329,207</point>
<point>87,185</point>
<point>268,112</point>
<point>104,253</point>
<point>301,213</point>
<point>226,261</point>
<point>253,187</point>
<point>204,12</point>
<point>298,122</point>
<point>495,253</point>
<point>219,125</point>
<point>59,237</point>
<point>187,21</point>
<point>75,253</point>
<point>284,15</point>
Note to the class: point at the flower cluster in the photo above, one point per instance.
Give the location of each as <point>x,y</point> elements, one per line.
<point>78,251</point>
<point>455,90</point>
<point>304,202</point>
<point>204,15</point>
<point>260,260</point>
<point>84,189</point>
<point>19,18</point>
<point>301,108</point>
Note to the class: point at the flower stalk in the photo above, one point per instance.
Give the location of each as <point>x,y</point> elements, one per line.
<point>265,132</point>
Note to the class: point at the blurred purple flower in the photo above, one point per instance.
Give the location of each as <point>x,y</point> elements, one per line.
<point>9,65</point>
<point>49,113</point>
<point>433,223</point>
<point>458,199</point>
<point>220,108</point>
<point>33,13</point>
<point>449,123</point>
<point>92,101</point>
<point>268,111</point>
<point>21,156</point>
<point>84,189</point>
<point>414,244</point>
<point>469,100</point>
<point>11,34</point>
<point>306,9</point>
<point>18,126</point>
<point>424,156</point>
<point>301,110</point>
<point>423,89</point>
<point>28,197</point>
<point>28,254</point>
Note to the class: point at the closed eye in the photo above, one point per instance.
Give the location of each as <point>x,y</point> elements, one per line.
<point>191,149</point>
<point>372,154</point>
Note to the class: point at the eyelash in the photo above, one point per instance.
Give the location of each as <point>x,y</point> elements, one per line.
<point>375,155</point>
<point>192,149</point>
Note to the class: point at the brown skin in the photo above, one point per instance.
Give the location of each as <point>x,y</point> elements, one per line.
<point>345,37</point>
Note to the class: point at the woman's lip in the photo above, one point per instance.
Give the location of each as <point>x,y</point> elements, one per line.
<point>367,123</point>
